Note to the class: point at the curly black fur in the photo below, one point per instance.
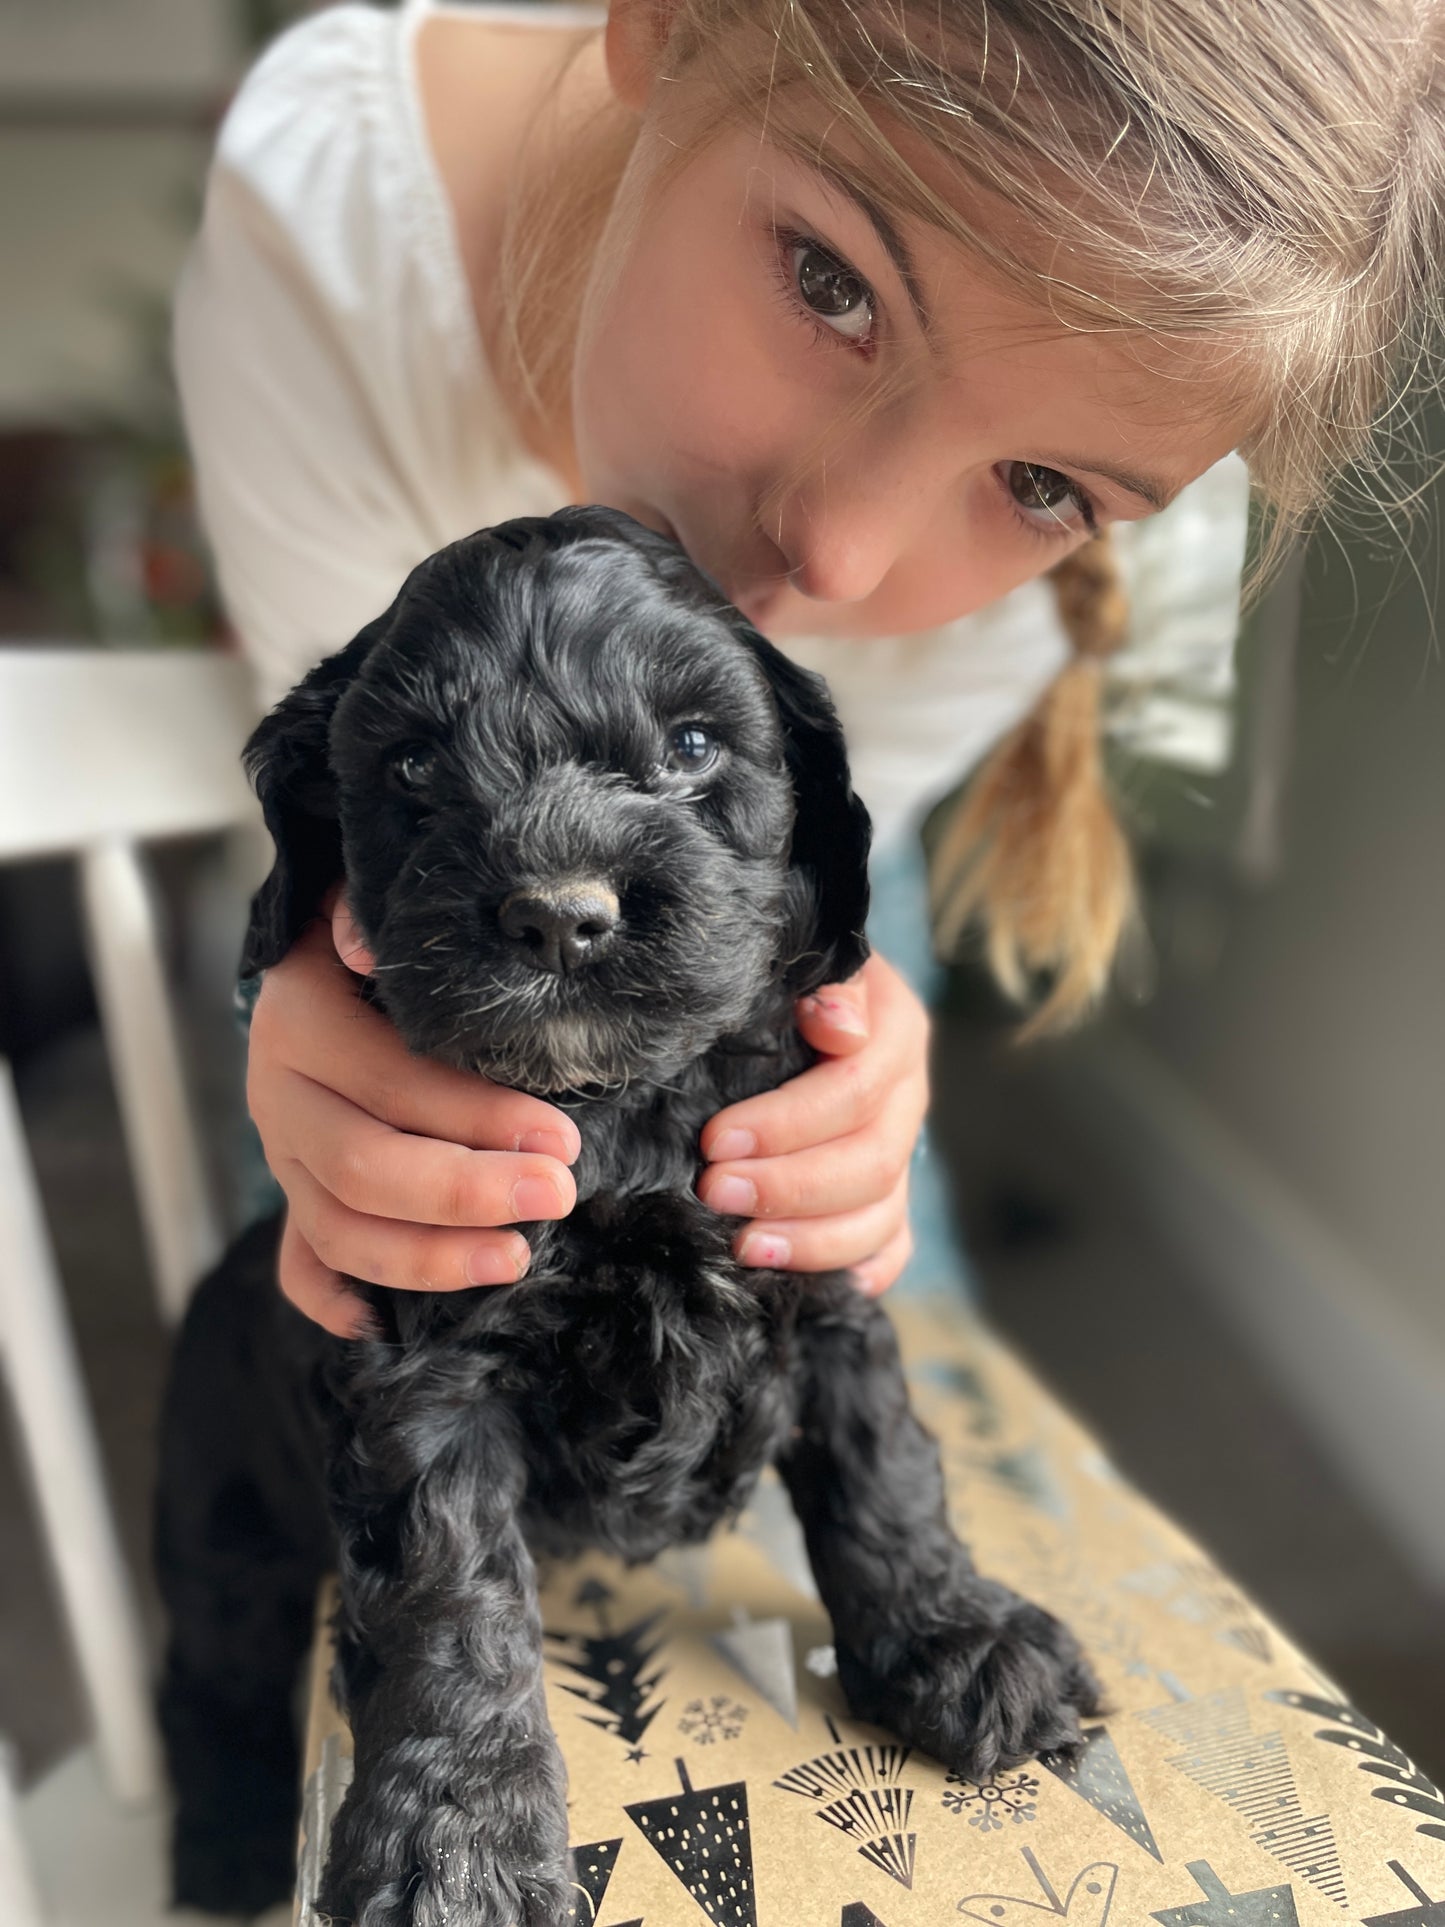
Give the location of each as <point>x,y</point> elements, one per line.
<point>501,737</point>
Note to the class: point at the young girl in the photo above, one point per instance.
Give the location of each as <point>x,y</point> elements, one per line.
<point>904,320</point>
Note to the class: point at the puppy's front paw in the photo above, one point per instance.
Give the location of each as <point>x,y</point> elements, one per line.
<point>442,1872</point>
<point>1006,1683</point>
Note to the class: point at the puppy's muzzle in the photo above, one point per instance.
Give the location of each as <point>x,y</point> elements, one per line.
<point>564,928</point>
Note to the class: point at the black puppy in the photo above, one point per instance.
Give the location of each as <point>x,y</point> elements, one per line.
<point>599,836</point>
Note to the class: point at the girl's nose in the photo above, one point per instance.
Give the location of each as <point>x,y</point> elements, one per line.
<point>841,538</point>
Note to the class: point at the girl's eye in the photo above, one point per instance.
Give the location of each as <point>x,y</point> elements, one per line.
<point>824,290</point>
<point>411,768</point>
<point>1047,502</point>
<point>690,750</point>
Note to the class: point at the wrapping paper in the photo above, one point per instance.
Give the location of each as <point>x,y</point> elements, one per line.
<point>715,1774</point>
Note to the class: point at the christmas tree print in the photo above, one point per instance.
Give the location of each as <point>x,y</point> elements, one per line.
<point>1267,1907</point>
<point>877,1820</point>
<point>857,1792</point>
<point>1024,1473</point>
<point>962,1383</point>
<point>830,1774</point>
<point>1408,1786</point>
<point>1096,1774</point>
<point>1430,1913</point>
<point>703,1837</point>
<point>615,1666</point>
<point>1075,1590</point>
<point>855,1914</point>
<point>591,1871</point>
<point>1086,1904</point>
<point>1250,1772</point>
<point>689,1569</point>
<point>771,1524</point>
<point>1196,1591</point>
<point>762,1652</point>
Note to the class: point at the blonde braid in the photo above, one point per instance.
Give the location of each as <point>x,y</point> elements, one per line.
<point>1034,849</point>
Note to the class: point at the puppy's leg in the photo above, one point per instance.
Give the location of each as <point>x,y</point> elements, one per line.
<point>242,1541</point>
<point>953,1662</point>
<point>457,1813</point>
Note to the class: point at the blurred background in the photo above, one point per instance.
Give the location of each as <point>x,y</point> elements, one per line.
<point>1213,1221</point>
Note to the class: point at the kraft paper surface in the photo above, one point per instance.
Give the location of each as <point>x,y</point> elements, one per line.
<point>715,1774</point>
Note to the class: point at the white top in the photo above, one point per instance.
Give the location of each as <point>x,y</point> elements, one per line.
<point>345,423</point>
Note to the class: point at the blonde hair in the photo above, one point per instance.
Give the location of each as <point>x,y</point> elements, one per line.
<point>1260,179</point>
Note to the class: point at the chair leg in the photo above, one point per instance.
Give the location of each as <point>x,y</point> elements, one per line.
<point>19,1902</point>
<point>64,1460</point>
<point>182,1234</point>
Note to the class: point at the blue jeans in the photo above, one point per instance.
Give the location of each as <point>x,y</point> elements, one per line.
<point>898,928</point>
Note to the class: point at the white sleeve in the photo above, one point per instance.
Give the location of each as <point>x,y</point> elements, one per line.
<point>293,367</point>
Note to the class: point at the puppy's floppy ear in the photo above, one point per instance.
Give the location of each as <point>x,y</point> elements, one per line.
<point>287,761</point>
<point>831,828</point>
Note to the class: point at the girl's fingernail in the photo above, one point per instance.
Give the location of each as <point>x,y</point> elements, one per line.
<point>765,1248</point>
<point>547,1144</point>
<point>495,1265</point>
<point>842,1016</point>
<point>535,1198</point>
<point>351,946</point>
<point>732,1144</point>
<point>733,1195</point>
<point>866,1282</point>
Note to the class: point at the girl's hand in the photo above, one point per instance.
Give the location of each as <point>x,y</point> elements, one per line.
<point>396,1169</point>
<point>821,1164</point>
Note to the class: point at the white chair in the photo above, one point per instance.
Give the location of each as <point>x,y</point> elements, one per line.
<point>19,1902</point>
<point>100,750</point>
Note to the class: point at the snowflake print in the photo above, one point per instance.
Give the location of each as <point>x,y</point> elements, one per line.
<point>996,1800</point>
<point>718,1718</point>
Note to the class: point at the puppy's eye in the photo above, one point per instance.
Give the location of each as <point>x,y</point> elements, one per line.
<point>690,749</point>
<point>411,768</point>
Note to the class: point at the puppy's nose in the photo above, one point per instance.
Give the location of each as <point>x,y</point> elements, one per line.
<point>561,929</point>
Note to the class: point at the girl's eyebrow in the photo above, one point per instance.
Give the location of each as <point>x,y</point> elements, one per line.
<point>1157,494</point>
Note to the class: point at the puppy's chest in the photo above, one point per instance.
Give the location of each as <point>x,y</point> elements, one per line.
<point>651,1379</point>
<point>633,1297</point>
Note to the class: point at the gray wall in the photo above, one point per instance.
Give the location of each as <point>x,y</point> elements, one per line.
<point>1316,1030</point>
<point>104,106</point>
<point>1277,1105</point>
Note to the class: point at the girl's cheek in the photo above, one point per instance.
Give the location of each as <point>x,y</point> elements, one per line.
<point>673,380</point>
